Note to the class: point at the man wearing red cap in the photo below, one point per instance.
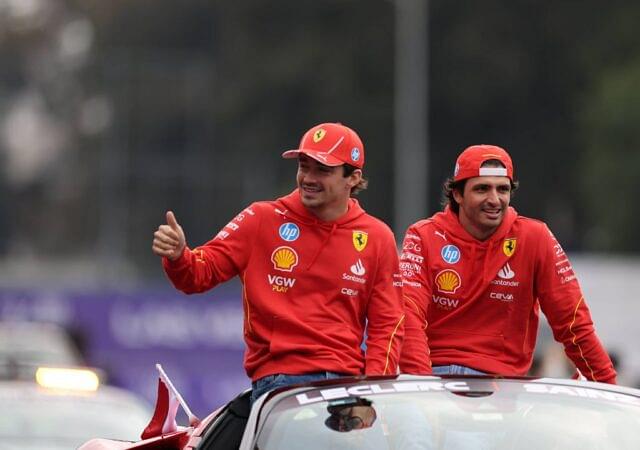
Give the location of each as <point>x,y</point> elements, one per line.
<point>476,275</point>
<point>315,270</point>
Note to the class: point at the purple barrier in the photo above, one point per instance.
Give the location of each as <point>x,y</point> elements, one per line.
<point>197,338</point>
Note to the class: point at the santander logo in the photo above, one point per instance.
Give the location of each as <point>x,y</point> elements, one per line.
<point>506,273</point>
<point>505,277</point>
<point>358,269</point>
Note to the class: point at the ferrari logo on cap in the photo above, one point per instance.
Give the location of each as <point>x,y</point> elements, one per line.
<point>360,239</point>
<point>318,135</point>
<point>509,246</point>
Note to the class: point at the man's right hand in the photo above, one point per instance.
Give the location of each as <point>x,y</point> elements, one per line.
<point>169,239</point>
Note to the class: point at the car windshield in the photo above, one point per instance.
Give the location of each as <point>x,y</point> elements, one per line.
<point>453,415</point>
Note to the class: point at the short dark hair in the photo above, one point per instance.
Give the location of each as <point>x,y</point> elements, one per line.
<point>450,185</point>
<point>348,169</point>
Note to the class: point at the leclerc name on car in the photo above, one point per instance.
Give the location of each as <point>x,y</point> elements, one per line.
<point>380,388</point>
<point>536,387</point>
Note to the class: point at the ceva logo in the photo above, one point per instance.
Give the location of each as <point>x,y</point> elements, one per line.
<point>501,296</point>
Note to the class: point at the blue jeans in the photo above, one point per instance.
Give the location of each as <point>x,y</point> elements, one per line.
<point>453,369</point>
<point>270,382</point>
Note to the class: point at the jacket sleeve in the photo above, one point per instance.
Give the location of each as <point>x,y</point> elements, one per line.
<point>385,314</point>
<point>563,304</point>
<point>218,260</point>
<point>415,358</point>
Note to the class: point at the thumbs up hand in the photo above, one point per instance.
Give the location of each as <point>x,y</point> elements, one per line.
<point>169,239</point>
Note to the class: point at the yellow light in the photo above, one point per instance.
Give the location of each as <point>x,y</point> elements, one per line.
<point>70,379</point>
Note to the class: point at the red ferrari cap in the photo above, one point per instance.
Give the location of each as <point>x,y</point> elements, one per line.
<point>331,144</point>
<point>468,164</point>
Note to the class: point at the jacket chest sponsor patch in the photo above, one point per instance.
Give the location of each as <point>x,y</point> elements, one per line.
<point>450,254</point>
<point>357,273</point>
<point>448,281</point>
<point>279,283</point>
<point>506,273</point>
<point>509,247</point>
<point>358,268</point>
<point>284,258</point>
<point>444,302</point>
<point>506,277</point>
<point>501,296</point>
<point>349,292</point>
<point>289,231</point>
<point>360,239</point>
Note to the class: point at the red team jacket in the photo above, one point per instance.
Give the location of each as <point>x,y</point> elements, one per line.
<point>308,288</point>
<point>482,298</point>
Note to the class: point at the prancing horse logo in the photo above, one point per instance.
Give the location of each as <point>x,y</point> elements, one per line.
<point>509,246</point>
<point>360,239</point>
<point>318,135</point>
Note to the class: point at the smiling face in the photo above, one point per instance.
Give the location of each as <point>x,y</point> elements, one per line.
<point>483,204</point>
<point>324,190</point>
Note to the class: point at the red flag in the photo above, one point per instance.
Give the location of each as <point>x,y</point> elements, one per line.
<point>164,416</point>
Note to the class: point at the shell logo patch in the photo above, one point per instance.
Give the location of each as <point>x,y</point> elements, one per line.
<point>360,239</point>
<point>318,135</point>
<point>284,258</point>
<point>509,246</point>
<point>448,281</point>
